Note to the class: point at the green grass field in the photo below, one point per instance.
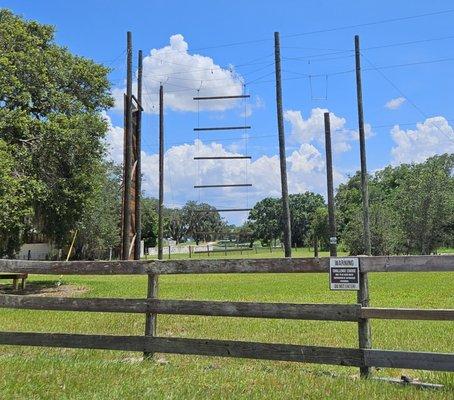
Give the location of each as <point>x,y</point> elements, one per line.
<point>263,252</point>
<point>39,373</point>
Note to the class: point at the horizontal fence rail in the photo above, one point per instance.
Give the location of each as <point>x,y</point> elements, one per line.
<point>407,313</point>
<point>204,347</point>
<point>319,312</point>
<point>237,349</point>
<point>327,312</point>
<point>409,359</point>
<point>265,265</point>
<point>149,344</point>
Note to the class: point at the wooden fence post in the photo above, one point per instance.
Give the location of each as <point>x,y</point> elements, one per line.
<point>150,319</point>
<point>364,331</point>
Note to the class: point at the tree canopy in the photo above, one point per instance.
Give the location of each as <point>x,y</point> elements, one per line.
<point>98,229</point>
<point>266,218</point>
<point>196,221</point>
<point>411,208</point>
<point>51,127</point>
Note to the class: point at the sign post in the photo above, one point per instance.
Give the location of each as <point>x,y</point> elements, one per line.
<point>344,273</point>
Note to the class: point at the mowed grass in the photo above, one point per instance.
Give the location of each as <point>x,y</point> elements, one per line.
<point>256,252</point>
<point>42,373</point>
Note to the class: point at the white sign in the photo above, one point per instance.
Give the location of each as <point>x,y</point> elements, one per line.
<point>333,240</point>
<point>344,273</point>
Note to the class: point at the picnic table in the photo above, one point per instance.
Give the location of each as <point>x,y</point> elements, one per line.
<point>16,278</point>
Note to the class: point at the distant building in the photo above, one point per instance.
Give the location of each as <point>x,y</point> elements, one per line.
<point>36,251</point>
<point>37,248</point>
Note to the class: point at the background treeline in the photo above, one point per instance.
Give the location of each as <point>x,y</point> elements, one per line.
<point>411,211</point>
<point>195,221</point>
<point>411,208</point>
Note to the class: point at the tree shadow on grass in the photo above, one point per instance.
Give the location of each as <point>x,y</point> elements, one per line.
<point>46,288</point>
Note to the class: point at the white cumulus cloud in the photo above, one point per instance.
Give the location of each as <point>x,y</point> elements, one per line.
<point>184,76</point>
<point>312,129</point>
<point>114,141</point>
<point>433,136</point>
<point>250,106</point>
<point>305,169</point>
<point>394,104</point>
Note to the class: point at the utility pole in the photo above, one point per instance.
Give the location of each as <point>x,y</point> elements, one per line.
<point>161,171</point>
<point>362,149</point>
<point>364,332</point>
<point>138,180</point>
<point>282,158</point>
<point>152,289</point>
<point>330,189</point>
<point>126,222</point>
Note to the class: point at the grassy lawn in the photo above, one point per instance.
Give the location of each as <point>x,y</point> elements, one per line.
<point>264,252</point>
<point>39,373</point>
<point>259,252</point>
<point>445,250</point>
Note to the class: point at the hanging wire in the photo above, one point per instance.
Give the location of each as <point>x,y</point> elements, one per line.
<point>312,92</point>
<point>413,104</point>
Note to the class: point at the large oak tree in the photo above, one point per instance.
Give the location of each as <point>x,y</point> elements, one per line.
<point>51,126</point>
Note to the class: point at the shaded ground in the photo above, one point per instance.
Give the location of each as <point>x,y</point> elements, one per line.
<point>44,288</point>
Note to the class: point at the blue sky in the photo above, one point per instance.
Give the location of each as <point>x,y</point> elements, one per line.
<point>235,39</point>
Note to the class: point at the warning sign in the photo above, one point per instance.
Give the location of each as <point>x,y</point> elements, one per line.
<point>344,273</point>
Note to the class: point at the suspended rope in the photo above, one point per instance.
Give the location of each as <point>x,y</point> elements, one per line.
<point>246,101</point>
<point>312,90</point>
<point>198,179</point>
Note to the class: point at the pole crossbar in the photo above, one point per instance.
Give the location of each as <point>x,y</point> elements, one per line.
<point>224,158</point>
<point>222,128</point>
<point>242,96</point>
<point>138,102</point>
<point>223,185</point>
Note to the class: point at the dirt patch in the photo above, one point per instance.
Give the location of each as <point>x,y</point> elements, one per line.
<point>46,289</point>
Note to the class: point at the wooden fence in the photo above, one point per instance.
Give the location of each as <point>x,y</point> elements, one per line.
<point>362,357</point>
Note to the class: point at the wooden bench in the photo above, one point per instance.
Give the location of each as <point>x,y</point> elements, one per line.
<point>16,278</point>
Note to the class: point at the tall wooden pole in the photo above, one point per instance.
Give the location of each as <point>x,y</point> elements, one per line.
<point>282,159</point>
<point>364,332</point>
<point>161,171</point>
<point>138,243</point>
<point>362,149</point>
<point>152,290</point>
<point>127,167</point>
<point>151,319</point>
<point>330,188</point>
